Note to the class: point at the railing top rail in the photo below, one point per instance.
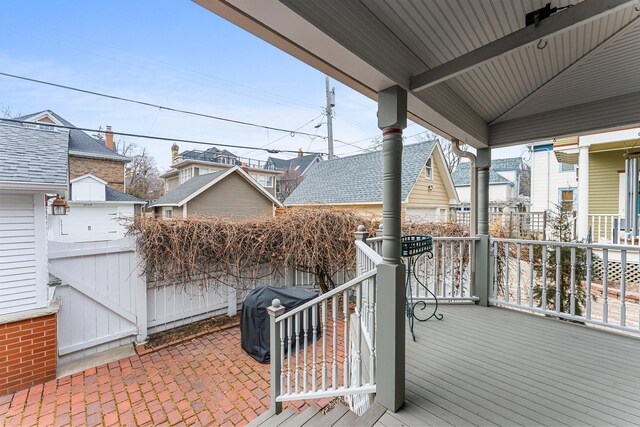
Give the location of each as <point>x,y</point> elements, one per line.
<point>611,214</point>
<point>369,253</point>
<point>568,244</point>
<point>328,295</point>
<point>440,238</point>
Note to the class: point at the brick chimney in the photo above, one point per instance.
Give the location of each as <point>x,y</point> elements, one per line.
<point>109,139</point>
<point>300,153</point>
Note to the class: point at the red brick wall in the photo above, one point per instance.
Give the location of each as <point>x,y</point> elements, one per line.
<point>27,353</point>
<point>109,170</point>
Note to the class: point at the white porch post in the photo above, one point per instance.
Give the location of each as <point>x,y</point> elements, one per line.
<point>583,192</point>
<point>390,331</point>
<point>483,259</point>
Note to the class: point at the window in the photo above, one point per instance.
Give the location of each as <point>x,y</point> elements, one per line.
<point>185,175</point>
<point>567,167</point>
<point>45,127</point>
<point>167,212</point>
<point>264,180</point>
<point>567,199</point>
<point>428,169</point>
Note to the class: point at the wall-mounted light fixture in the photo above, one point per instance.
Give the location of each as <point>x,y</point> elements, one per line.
<point>59,206</point>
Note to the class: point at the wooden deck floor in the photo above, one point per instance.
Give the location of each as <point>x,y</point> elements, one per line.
<point>493,366</point>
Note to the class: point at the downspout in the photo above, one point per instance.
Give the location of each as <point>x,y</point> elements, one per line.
<point>473,223</point>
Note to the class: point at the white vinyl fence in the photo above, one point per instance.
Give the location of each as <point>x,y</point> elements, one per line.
<point>107,303</point>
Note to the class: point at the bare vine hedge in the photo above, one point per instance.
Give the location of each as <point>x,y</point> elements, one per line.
<point>212,250</point>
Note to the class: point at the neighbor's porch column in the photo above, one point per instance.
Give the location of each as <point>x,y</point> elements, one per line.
<point>583,192</point>
<point>390,330</point>
<point>483,259</point>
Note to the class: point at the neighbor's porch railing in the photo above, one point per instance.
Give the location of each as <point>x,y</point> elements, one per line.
<point>449,274</point>
<point>312,353</point>
<point>609,228</point>
<point>598,283</point>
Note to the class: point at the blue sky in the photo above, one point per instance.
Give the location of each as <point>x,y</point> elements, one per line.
<point>177,54</point>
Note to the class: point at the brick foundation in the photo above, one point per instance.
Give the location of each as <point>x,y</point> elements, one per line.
<point>28,353</point>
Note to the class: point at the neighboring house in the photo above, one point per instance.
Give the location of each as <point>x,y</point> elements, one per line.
<point>33,164</point>
<point>589,174</point>
<point>228,193</point>
<point>355,183</point>
<point>504,184</point>
<point>97,214</point>
<point>294,170</point>
<point>192,163</point>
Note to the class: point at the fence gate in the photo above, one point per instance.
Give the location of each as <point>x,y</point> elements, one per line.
<point>103,296</point>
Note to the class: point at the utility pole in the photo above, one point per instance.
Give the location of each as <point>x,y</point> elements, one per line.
<point>331,102</point>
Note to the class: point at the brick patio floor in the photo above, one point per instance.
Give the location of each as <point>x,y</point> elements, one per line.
<point>206,381</point>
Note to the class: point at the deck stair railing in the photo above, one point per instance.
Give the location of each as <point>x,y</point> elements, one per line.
<point>326,347</point>
<point>594,283</point>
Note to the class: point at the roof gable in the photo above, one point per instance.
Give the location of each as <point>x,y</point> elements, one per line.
<point>358,179</point>
<point>198,184</point>
<point>462,175</point>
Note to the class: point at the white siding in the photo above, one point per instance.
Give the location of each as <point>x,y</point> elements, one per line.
<point>88,189</point>
<point>87,222</point>
<point>546,180</point>
<point>497,193</point>
<point>22,252</point>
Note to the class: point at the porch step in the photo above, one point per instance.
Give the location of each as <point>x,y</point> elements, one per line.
<point>339,415</point>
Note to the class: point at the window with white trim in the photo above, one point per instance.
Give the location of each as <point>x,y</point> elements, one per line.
<point>567,167</point>
<point>428,169</point>
<point>185,175</point>
<point>264,180</point>
<point>167,213</point>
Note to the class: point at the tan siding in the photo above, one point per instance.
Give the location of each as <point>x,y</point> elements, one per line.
<point>604,181</point>
<point>233,197</point>
<point>421,197</point>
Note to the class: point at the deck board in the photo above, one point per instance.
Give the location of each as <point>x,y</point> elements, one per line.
<point>484,366</point>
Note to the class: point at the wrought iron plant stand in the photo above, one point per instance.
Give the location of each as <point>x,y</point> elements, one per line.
<point>414,247</point>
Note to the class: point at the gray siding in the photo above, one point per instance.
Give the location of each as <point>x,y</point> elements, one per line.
<point>233,197</point>
<point>177,211</point>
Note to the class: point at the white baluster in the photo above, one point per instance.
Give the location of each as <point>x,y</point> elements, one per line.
<point>572,290</point>
<point>544,277</point>
<point>289,329</point>
<point>588,279</point>
<point>558,279</point>
<point>314,359</point>
<point>296,320</point>
<point>623,288</point>
<point>345,360</point>
<point>305,371</point>
<point>605,285</point>
<point>334,318</point>
<point>530,275</point>
<point>324,345</point>
<point>518,274</point>
<point>506,272</point>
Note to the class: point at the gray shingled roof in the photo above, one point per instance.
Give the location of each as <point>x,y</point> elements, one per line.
<point>80,143</point>
<point>33,155</point>
<point>462,175</point>
<point>180,193</point>
<point>113,195</point>
<point>358,179</point>
<point>297,163</point>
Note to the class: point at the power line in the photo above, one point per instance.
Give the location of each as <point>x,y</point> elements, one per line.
<point>158,138</point>
<point>149,104</point>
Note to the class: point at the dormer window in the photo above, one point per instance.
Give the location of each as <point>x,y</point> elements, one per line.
<point>428,169</point>
<point>45,127</point>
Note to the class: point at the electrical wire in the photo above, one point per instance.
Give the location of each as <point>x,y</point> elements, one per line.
<point>284,136</point>
<point>149,104</point>
<point>158,138</point>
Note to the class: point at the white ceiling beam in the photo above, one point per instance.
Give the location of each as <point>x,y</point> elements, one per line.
<point>563,20</point>
<point>613,113</point>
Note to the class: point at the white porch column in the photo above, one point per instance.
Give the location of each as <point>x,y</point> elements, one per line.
<point>483,259</point>
<point>583,192</point>
<point>390,330</point>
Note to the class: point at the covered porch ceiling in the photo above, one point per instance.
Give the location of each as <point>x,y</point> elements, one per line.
<point>473,70</point>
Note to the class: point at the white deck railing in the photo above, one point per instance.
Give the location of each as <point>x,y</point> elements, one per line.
<point>595,283</point>
<point>326,347</point>
<point>448,274</point>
